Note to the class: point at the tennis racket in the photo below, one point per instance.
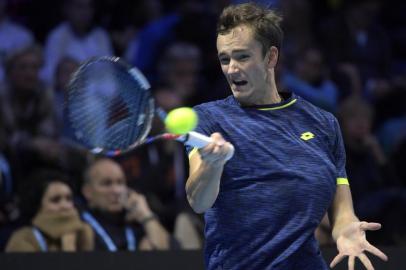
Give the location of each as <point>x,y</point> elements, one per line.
<point>110,109</point>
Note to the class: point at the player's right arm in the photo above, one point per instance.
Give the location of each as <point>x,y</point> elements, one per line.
<point>205,169</point>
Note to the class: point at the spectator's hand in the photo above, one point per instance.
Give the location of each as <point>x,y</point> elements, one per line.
<point>137,207</point>
<point>69,241</point>
<point>216,153</point>
<point>352,242</point>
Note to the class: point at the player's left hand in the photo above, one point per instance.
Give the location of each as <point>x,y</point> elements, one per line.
<point>352,242</point>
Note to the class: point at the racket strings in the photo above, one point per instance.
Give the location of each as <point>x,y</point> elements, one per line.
<point>107,106</point>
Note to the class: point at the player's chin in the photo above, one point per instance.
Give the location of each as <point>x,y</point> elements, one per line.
<point>241,94</point>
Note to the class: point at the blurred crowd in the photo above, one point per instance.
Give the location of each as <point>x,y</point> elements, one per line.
<point>347,57</point>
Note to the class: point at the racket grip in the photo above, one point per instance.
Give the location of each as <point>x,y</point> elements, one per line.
<point>199,140</point>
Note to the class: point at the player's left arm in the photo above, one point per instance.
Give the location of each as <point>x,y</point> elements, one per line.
<point>347,230</point>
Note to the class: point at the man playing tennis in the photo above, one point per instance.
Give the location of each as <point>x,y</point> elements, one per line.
<point>263,205</point>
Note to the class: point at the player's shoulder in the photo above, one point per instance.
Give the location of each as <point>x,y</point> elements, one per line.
<point>318,112</point>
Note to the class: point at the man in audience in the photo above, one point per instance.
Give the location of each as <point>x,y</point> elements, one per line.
<point>120,217</point>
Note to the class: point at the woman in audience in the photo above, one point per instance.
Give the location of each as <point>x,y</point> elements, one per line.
<point>56,225</point>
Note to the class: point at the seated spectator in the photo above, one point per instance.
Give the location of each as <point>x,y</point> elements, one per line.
<point>179,70</point>
<point>355,36</point>
<point>367,165</point>
<point>120,217</point>
<point>12,35</point>
<point>27,118</point>
<point>309,80</point>
<point>55,224</point>
<point>76,37</point>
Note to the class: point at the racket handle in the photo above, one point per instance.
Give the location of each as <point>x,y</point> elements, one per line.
<point>199,140</point>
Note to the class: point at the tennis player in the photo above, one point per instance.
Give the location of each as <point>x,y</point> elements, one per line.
<point>263,205</point>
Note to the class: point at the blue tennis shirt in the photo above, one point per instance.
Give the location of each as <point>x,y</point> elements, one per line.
<point>276,188</point>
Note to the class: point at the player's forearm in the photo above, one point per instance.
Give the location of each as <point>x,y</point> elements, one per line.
<point>203,186</point>
<point>342,210</point>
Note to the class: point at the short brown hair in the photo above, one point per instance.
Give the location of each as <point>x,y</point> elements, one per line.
<point>264,22</point>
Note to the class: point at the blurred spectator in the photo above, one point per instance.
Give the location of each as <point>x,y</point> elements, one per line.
<point>124,19</point>
<point>189,230</point>
<point>355,37</point>
<point>297,27</point>
<point>394,21</point>
<point>309,79</point>
<point>179,71</point>
<point>63,72</point>
<point>367,165</point>
<point>120,217</point>
<point>187,23</point>
<point>77,37</point>
<point>144,49</point>
<point>27,113</point>
<point>391,112</point>
<point>12,37</point>
<point>55,222</point>
<point>27,104</point>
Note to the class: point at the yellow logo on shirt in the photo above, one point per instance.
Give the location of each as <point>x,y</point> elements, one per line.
<point>307,136</point>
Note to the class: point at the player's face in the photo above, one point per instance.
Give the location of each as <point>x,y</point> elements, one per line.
<point>107,187</point>
<point>57,199</point>
<point>246,68</point>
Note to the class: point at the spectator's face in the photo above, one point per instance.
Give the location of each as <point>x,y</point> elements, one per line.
<point>168,99</point>
<point>57,199</point>
<point>24,73</point>
<point>358,126</point>
<point>106,187</point>
<point>80,14</point>
<point>246,69</point>
<point>183,76</point>
<point>310,67</point>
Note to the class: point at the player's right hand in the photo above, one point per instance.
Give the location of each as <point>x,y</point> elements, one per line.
<point>217,152</point>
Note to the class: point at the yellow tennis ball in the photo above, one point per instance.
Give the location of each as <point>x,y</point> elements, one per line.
<point>181,120</point>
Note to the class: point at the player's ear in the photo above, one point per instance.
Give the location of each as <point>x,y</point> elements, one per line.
<point>272,56</point>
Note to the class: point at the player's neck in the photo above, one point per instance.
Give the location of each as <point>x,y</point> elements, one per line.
<point>271,96</point>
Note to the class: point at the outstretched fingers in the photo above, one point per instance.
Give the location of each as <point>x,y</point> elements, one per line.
<point>337,259</point>
<point>365,261</point>
<point>377,252</point>
<point>351,262</point>
<point>370,226</point>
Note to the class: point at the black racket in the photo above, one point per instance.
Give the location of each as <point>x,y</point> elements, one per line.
<point>110,108</point>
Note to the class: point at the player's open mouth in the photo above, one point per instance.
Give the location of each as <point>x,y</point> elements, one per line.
<point>240,83</point>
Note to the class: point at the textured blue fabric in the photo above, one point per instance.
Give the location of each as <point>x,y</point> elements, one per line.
<point>276,188</point>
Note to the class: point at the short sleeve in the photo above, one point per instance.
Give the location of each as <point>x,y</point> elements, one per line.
<point>204,126</point>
